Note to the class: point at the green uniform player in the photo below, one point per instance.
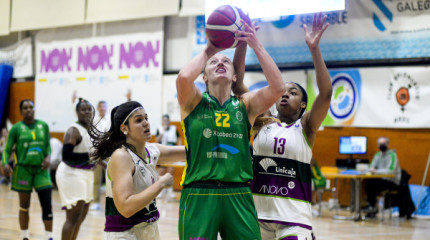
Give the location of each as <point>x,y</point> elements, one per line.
<point>218,171</point>
<point>216,198</point>
<point>31,147</point>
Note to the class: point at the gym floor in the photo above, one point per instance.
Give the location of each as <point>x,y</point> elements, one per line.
<point>92,228</point>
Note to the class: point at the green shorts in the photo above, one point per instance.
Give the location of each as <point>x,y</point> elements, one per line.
<point>206,210</point>
<point>26,177</point>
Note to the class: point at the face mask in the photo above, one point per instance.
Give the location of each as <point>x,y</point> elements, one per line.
<point>383,147</point>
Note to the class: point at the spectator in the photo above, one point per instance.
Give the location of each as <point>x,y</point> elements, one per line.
<point>385,162</point>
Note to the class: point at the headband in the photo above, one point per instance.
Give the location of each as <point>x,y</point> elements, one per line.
<point>128,116</point>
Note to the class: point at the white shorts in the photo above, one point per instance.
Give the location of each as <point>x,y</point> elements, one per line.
<point>142,231</point>
<point>275,231</point>
<point>74,184</point>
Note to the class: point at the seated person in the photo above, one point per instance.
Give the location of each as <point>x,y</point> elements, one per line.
<point>384,162</point>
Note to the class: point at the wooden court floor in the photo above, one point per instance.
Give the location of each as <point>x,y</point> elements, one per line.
<point>92,229</point>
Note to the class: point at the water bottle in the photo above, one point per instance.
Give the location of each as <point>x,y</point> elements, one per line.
<point>381,206</point>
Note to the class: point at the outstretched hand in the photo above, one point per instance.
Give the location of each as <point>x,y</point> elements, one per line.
<point>313,37</point>
<point>248,35</point>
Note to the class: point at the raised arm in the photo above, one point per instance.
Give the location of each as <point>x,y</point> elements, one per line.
<point>259,101</point>
<point>239,87</point>
<point>188,94</point>
<point>312,120</point>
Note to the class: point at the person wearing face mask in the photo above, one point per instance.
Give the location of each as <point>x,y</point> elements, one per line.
<point>384,162</point>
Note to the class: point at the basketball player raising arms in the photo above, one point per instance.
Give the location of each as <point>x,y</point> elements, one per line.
<point>216,196</point>
<point>283,151</point>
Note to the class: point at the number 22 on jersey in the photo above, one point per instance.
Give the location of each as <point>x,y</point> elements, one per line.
<point>222,120</point>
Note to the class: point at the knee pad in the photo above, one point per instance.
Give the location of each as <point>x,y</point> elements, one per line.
<point>45,203</point>
<point>23,209</point>
<point>47,213</point>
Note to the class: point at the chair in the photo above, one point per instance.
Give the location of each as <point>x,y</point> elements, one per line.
<point>386,200</point>
<point>326,188</point>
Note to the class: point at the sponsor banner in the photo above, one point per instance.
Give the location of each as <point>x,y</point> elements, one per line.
<point>282,177</point>
<point>253,80</point>
<point>278,186</point>
<point>110,68</point>
<point>377,97</point>
<point>365,30</point>
<point>20,57</point>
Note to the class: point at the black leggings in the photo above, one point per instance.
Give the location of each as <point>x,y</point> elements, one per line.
<point>45,203</point>
<point>375,186</point>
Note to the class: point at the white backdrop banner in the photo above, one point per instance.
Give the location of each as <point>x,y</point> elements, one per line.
<point>365,30</point>
<point>378,97</point>
<point>110,68</point>
<point>253,80</point>
<point>20,57</point>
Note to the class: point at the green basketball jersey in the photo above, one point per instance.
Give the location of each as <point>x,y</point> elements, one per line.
<point>217,142</point>
<point>32,143</point>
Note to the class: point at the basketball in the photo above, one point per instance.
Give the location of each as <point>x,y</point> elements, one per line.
<point>222,23</point>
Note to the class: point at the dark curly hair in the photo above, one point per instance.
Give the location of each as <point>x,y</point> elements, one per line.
<point>105,143</point>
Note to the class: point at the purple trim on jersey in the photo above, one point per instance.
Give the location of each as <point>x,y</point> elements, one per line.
<point>286,223</point>
<point>290,238</point>
<point>87,166</point>
<point>116,223</point>
<point>149,155</point>
<point>271,185</point>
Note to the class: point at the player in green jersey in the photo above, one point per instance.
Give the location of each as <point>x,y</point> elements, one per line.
<point>31,139</point>
<point>216,197</point>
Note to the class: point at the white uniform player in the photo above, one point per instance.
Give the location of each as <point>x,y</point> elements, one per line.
<point>144,222</point>
<point>282,181</point>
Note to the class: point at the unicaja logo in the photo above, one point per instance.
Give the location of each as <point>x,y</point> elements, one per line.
<point>267,162</point>
<point>385,11</point>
